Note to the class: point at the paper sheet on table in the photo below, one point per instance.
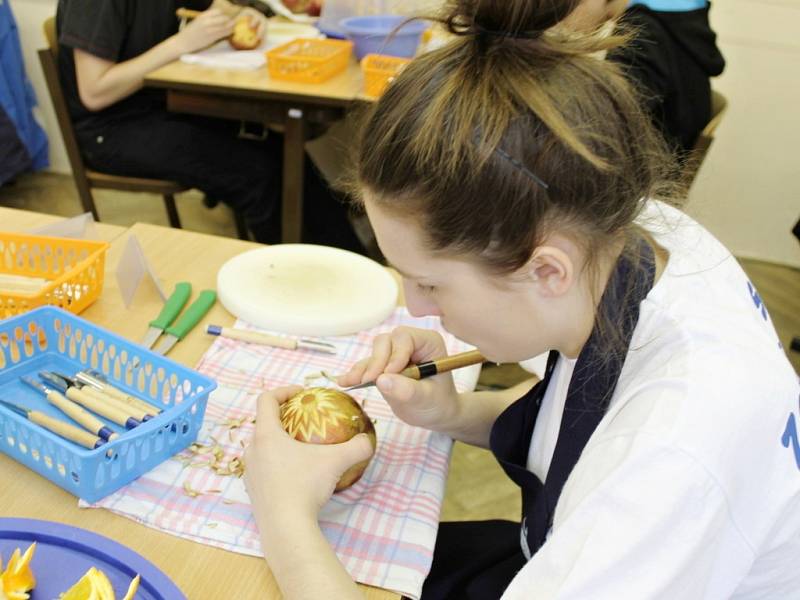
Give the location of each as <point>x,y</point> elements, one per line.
<point>383,528</point>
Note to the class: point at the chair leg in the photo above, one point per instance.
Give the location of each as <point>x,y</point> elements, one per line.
<point>87,199</point>
<point>172,211</point>
<point>241,227</point>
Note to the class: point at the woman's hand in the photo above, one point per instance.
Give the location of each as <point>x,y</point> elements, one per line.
<point>284,476</point>
<point>256,17</point>
<point>432,402</point>
<point>208,27</point>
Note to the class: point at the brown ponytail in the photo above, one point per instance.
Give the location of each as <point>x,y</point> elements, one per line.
<point>512,129</point>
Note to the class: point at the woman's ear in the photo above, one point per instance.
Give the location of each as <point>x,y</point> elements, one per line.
<point>551,270</point>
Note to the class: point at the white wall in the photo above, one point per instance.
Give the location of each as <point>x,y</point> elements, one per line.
<point>748,190</point>
<point>30,14</point>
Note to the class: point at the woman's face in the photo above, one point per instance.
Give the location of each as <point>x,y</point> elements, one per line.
<point>591,14</point>
<point>498,315</point>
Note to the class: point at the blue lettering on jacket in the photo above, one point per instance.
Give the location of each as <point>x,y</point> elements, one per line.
<point>758,301</point>
<point>790,438</point>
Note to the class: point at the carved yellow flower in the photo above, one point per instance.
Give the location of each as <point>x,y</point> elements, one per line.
<point>315,413</point>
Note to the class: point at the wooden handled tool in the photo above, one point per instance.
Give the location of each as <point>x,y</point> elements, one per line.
<point>95,380</point>
<point>187,13</point>
<point>434,367</point>
<point>60,428</point>
<point>133,411</point>
<point>73,411</point>
<point>266,339</point>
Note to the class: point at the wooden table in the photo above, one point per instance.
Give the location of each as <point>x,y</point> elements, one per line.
<point>200,571</point>
<point>22,221</point>
<point>254,96</point>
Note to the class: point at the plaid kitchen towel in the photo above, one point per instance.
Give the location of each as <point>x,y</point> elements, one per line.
<point>383,528</point>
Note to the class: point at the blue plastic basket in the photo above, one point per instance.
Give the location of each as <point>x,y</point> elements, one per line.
<point>379,34</point>
<point>52,339</point>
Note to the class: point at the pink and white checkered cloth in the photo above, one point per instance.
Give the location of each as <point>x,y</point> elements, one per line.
<point>383,528</point>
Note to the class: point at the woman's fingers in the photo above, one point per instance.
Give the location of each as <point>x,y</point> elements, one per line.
<point>381,351</point>
<point>268,413</point>
<point>393,352</point>
<point>355,450</point>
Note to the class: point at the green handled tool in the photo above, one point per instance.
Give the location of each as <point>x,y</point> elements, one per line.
<point>174,304</point>
<point>188,319</point>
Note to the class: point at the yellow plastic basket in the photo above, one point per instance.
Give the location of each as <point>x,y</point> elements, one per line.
<point>379,71</point>
<point>70,272</point>
<point>309,60</point>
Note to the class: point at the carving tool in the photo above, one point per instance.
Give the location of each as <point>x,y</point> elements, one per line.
<point>187,320</point>
<point>84,418</point>
<point>70,387</point>
<point>60,428</point>
<point>93,404</point>
<point>255,337</point>
<point>434,367</point>
<point>96,380</point>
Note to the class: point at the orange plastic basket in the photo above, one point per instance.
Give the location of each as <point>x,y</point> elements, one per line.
<point>71,272</point>
<point>379,70</point>
<point>309,60</point>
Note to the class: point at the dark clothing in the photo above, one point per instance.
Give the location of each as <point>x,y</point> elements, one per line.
<point>137,136</point>
<point>671,60</point>
<point>115,30</point>
<point>461,574</point>
<point>474,560</point>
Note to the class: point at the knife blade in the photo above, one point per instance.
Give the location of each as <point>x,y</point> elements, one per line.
<point>173,306</point>
<point>191,317</point>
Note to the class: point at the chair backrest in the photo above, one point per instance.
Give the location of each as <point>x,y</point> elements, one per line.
<point>719,105</point>
<point>48,57</point>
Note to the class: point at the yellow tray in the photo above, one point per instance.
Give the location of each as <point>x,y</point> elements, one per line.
<point>379,71</point>
<point>309,60</point>
<point>38,270</point>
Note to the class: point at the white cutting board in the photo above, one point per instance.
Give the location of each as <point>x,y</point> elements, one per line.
<point>301,289</point>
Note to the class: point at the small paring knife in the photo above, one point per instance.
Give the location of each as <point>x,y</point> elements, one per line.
<point>191,317</point>
<point>60,428</point>
<point>172,308</point>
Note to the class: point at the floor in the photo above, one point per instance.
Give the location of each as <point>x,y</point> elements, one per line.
<point>476,488</point>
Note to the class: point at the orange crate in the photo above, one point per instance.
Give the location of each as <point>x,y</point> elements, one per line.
<point>379,71</point>
<point>71,272</point>
<point>309,60</point>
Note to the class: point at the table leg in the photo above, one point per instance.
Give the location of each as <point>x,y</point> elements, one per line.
<point>294,137</point>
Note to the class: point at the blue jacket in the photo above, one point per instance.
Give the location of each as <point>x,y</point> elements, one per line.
<point>23,143</point>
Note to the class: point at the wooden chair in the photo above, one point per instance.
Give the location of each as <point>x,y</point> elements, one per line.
<point>719,105</point>
<point>87,179</point>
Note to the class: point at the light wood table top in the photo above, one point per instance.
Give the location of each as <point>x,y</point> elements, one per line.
<point>200,571</point>
<point>22,221</point>
<point>340,90</point>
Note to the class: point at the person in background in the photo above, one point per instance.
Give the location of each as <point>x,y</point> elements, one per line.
<point>107,48</point>
<point>671,59</point>
<point>509,177</point>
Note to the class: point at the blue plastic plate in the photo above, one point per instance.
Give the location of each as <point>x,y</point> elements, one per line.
<point>64,553</point>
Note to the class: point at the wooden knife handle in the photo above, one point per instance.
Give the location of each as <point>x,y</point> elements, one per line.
<point>65,430</point>
<point>101,408</point>
<point>128,409</point>
<point>75,412</point>
<point>187,13</point>
<point>442,365</point>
